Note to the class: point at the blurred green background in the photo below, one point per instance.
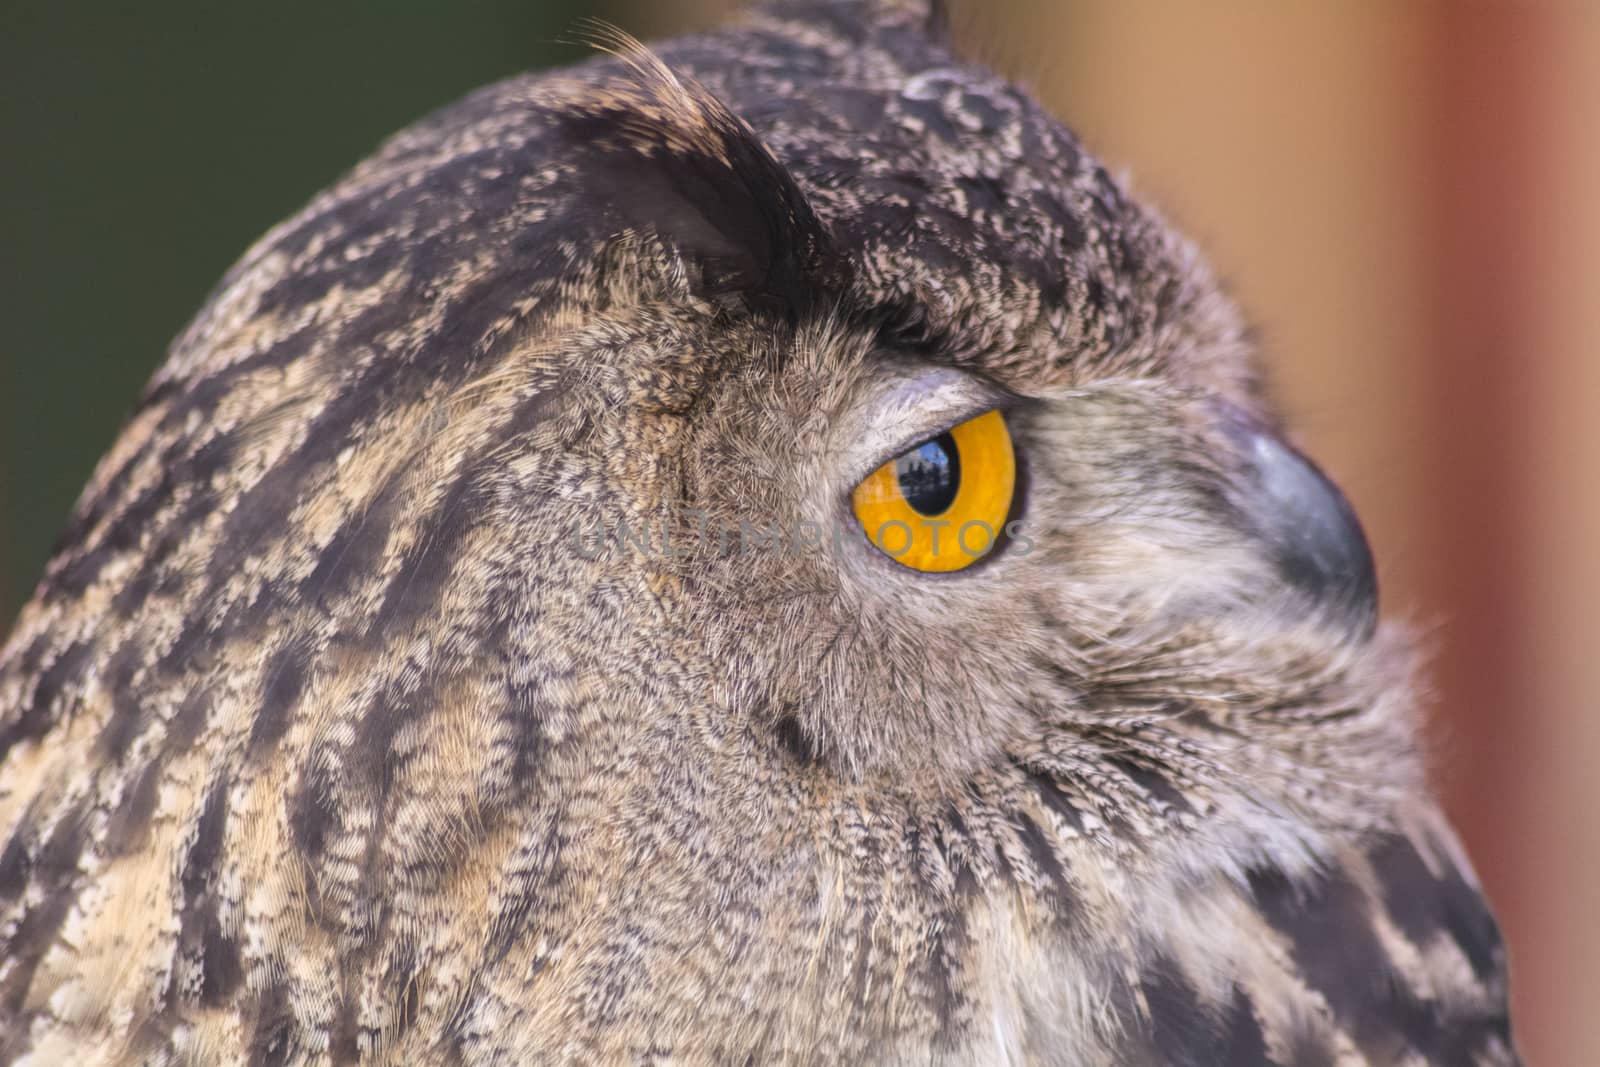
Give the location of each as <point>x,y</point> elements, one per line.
<point>144,146</point>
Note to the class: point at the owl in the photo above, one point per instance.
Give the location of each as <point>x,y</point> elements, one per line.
<point>753,551</point>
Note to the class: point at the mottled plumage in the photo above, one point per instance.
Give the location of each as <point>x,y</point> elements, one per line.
<point>323,740</point>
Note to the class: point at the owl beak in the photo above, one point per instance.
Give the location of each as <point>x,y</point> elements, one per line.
<point>1316,540</point>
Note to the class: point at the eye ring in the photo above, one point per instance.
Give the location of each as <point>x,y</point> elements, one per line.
<point>942,505</point>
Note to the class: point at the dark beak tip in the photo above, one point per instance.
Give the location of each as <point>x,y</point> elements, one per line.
<point>1314,533</point>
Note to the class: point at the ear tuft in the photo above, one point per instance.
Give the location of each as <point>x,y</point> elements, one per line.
<point>658,153</point>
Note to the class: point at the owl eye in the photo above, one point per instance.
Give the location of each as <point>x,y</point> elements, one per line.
<point>941,505</point>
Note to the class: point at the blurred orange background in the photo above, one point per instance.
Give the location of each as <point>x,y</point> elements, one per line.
<point>1404,194</point>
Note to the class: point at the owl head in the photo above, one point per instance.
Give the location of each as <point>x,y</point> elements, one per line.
<point>851,402</point>
<point>773,490</point>
<point>830,393</point>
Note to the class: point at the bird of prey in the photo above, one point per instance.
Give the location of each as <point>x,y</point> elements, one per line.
<point>757,551</point>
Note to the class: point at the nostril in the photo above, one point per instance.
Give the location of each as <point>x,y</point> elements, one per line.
<point>1313,532</point>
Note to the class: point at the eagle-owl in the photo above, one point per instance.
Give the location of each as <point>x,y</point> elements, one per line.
<point>757,551</point>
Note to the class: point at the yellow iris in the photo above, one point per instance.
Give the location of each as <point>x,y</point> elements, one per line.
<point>942,505</point>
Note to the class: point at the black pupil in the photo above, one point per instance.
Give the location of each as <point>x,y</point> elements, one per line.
<point>930,474</point>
